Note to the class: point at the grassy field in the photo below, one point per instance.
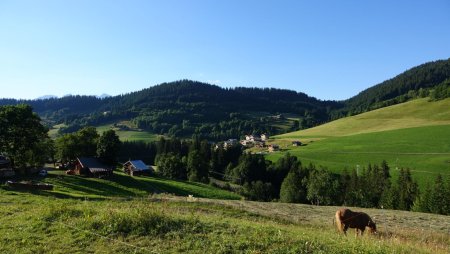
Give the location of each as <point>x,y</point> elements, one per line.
<point>122,185</point>
<point>414,135</point>
<point>42,223</point>
<point>133,134</point>
<point>414,113</point>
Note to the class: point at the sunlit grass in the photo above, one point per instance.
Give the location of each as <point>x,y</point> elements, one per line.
<point>167,224</point>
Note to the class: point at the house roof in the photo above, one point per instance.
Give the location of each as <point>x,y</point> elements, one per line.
<point>138,165</point>
<point>93,164</point>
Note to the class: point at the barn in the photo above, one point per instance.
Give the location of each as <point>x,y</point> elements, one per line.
<point>136,167</point>
<point>93,167</point>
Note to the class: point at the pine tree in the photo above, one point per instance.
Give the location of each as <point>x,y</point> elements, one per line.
<point>422,203</point>
<point>408,190</point>
<point>439,199</point>
<point>292,190</point>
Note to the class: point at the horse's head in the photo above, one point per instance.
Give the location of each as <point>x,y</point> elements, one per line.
<point>373,227</point>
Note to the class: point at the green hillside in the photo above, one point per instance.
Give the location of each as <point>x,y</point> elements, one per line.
<point>415,82</point>
<point>122,185</point>
<point>39,223</point>
<point>130,133</point>
<point>414,135</point>
<point>414,113</point>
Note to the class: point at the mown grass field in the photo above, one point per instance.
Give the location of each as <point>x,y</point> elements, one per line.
<point>42,223</point>
<point>414,135</point>
<point>410,114</point>
<point>122,185</point>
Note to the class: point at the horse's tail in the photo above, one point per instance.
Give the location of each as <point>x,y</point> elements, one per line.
<point>338,221</point>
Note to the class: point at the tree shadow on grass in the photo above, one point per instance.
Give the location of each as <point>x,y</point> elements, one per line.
<point>150,184</point>
<point>90,186</point>
<point>117,185</point>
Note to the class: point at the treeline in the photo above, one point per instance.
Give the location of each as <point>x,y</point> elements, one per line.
<point>287,180</point>
<point>184,108</point>
<point>87,142</point>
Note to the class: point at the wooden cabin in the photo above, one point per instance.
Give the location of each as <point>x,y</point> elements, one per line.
<point>92,167</point>
<point>273,148</point>
<point>296,143</point>
<point>136,167</point>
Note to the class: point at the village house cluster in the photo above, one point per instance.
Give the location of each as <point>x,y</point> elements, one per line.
<point>253,140</point>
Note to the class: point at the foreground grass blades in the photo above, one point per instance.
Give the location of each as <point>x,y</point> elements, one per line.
<point>166,224</point>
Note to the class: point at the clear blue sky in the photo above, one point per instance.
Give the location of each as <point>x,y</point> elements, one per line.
<point>327,49</point>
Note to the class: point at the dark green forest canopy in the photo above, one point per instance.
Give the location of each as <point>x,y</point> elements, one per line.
<point>422,77</point>
<point>183,108</point>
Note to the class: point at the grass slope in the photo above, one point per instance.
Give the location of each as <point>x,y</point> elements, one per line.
<point>122,185</point>
<point>132,134</point>
<point>424,150</point>
<point>414,113</point>
<point>160,224</point>
<point>414,135</point>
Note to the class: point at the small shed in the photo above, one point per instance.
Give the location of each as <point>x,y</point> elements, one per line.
<point>296,143</point>
<point>93,167</point>
<point>264,137</point>
<point>274,147</point>
<point>136,167</point>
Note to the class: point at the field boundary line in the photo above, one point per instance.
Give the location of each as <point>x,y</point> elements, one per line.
<point>391,153</point>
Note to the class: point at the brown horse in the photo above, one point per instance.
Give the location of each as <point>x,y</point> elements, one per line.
<point>345,218</point>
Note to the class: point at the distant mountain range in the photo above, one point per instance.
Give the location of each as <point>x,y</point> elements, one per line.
<point>46,97</point>
<point>183,108</point>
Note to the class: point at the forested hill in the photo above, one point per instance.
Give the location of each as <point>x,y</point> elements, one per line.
<point>185,107</point>
<point>415,82</point>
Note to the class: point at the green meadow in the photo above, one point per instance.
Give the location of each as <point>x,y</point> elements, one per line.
<point>167,224</point>
<point>414,135</point>
<point>124,186</point>
<point>132,134</point>
<point>414,113</point>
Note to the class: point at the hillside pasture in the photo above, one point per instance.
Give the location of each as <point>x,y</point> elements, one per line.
<point>169,224</point>
<point>130,134</point>
<point>415,113</point>
<point>414,135</point>
<point>424,150</point>
<point>124,186</point>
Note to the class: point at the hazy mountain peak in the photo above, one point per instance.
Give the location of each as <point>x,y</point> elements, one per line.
<point>45,97</point>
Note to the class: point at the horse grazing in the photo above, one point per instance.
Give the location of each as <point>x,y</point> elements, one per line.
<point>345,218</point>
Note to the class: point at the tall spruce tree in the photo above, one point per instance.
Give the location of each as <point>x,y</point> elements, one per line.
<point>293,189</point>
<point>407,189</point>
